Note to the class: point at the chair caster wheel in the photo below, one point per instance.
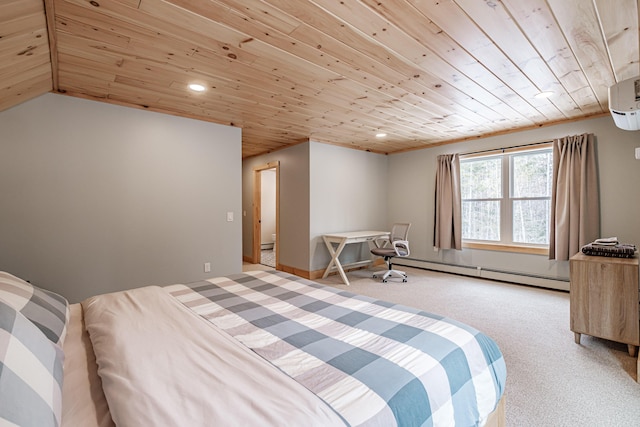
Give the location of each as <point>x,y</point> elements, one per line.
<point>384,281</point>
<point>375,276</point>
<point>404,280</point>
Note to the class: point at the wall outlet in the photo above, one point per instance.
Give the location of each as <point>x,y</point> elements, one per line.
<point>207,267</point>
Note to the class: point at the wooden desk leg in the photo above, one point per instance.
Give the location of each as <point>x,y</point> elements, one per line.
<point>334,257</point>
<point>335,261</point>
<point>632,350</point>
<point>577,337</point>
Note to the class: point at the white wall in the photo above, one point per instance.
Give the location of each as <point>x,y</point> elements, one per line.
<point>412,186</point>
<point>99,198</point>
<point>348,191</point>
<point>268,206</point>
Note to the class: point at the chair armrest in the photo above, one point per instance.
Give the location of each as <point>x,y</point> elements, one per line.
<point>401,245</point>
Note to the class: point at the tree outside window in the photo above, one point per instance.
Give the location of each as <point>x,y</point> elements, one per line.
<point>506,197</point>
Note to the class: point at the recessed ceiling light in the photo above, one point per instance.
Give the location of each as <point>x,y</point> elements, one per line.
<point>545,94</point>
<point>196,87</point>
<point>381,135</point>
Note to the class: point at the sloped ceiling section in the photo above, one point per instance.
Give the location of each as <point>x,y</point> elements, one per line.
<point>423,72</point>
<point>25,61</point>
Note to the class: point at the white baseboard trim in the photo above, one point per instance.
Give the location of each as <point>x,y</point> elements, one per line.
<point>485,273</point>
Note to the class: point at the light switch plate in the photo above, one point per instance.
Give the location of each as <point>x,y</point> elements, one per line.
<point>229,216</point>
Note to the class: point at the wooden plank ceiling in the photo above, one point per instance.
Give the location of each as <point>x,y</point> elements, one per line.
<point>422,71</point>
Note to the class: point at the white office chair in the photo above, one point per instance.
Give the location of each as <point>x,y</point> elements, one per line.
<point>398,247</point>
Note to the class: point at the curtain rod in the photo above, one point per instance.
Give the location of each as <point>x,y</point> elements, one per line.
<point>505,148</point>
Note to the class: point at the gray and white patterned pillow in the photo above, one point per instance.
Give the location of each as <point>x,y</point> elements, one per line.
<point>31,372</point>
<point>47,310</point>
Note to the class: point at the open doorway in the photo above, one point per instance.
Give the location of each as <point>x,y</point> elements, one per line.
<point>265,214</point>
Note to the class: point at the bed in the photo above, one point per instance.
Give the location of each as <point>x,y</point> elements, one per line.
<point>259,348</point>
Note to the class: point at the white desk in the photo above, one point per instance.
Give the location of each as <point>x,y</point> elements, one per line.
<point>343,239</point>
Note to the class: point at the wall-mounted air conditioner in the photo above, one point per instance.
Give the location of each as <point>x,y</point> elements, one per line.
<point>624,104</point>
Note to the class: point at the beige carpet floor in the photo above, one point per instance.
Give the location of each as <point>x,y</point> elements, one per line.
<point>551,380</point>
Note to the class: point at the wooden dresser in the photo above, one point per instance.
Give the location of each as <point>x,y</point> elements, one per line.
<point>605,299</point>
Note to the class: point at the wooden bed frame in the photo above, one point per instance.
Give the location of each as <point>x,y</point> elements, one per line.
<point>497,417</point>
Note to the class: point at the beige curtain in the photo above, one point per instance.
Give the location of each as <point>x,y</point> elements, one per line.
<point>448,217</point>
<point>575,200</point>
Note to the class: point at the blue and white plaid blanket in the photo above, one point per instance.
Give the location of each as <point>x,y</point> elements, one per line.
<point>373,362</point>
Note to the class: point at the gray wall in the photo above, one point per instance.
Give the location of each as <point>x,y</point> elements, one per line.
<point>323,189</point>
<point>99,198</point>
<point>412,185</point>
<point>294,204</point>
<point>331,189</point>
<point>348,192</point>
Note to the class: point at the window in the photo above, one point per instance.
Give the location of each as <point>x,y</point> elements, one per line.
<point>506,199</point>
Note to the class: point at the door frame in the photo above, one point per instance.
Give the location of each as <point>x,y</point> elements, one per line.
<point>257,210</point>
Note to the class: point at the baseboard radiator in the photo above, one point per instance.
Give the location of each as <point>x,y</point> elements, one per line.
<point>488,273</point>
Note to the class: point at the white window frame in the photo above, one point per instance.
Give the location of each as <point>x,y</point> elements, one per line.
<point>506,243</point>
